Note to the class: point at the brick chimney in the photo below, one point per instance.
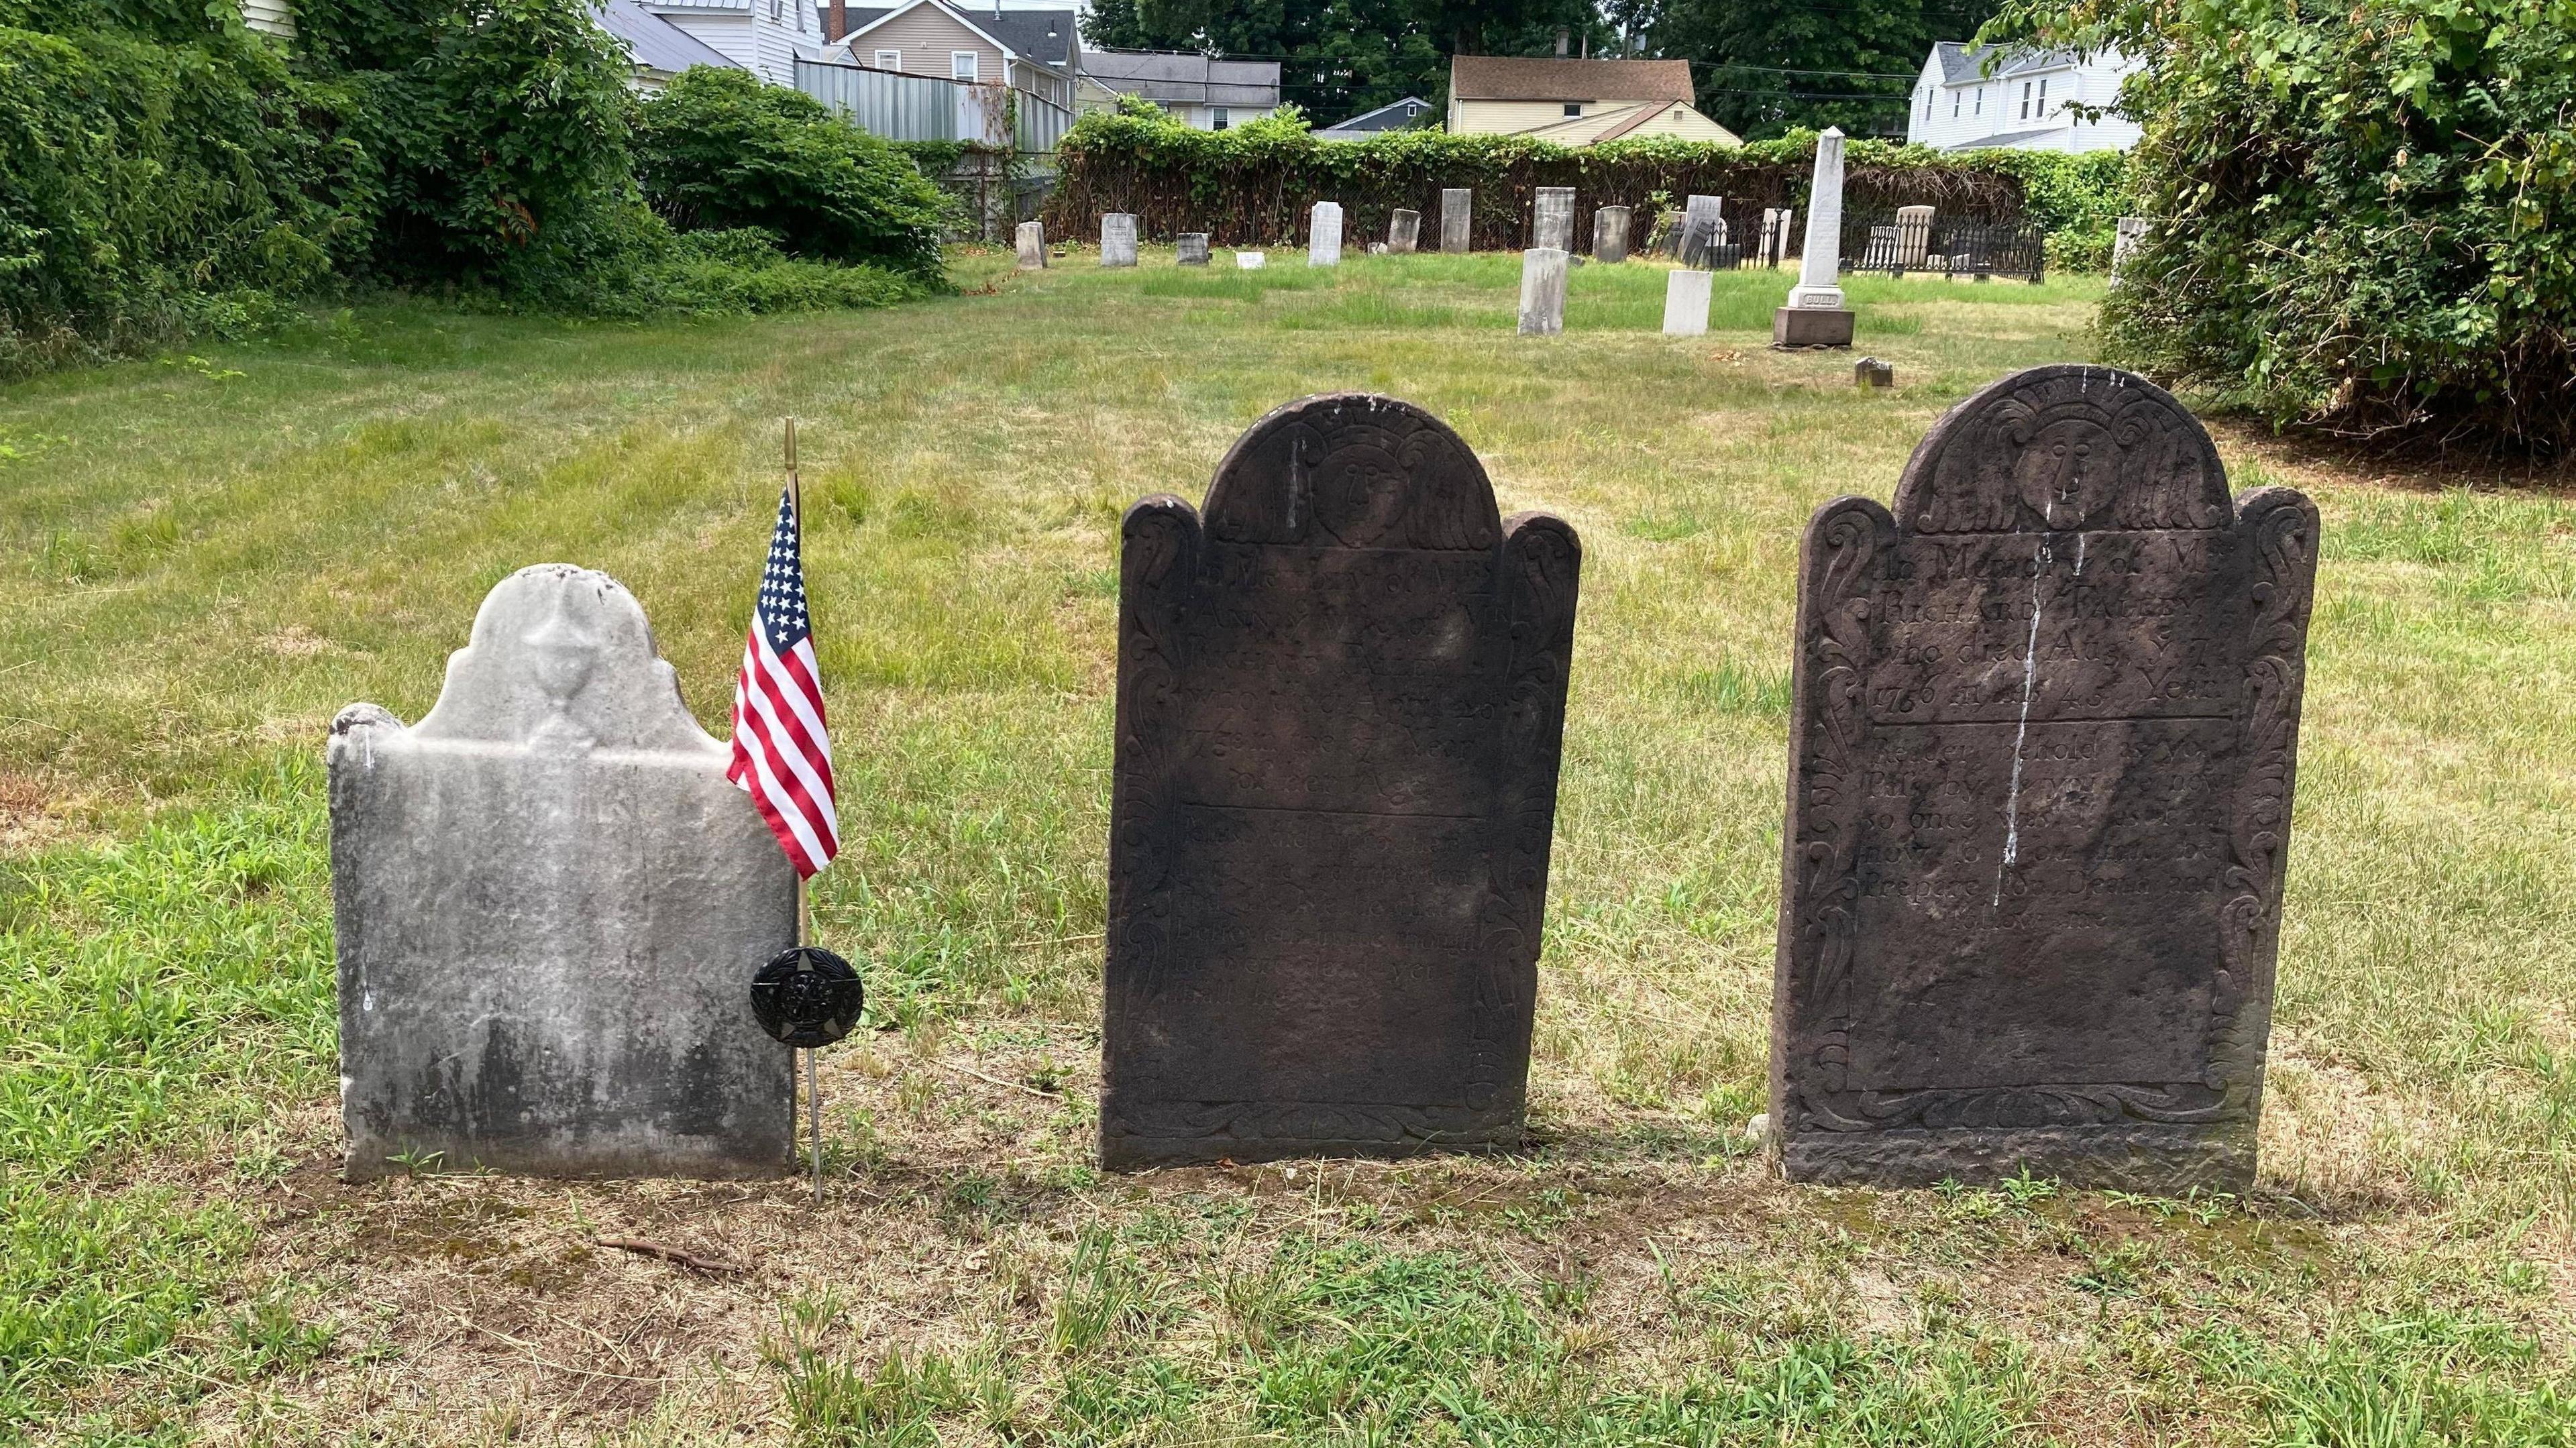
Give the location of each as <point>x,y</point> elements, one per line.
<point>838,24</point>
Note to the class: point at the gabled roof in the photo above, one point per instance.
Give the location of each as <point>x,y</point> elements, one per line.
<point>1167,75</point>
<point>1045,36</point>
<point>1963,64</point>
<point>1393,116</point>
<point>655,43</point>
<point>1558,78</point>
<point>2008,138</point>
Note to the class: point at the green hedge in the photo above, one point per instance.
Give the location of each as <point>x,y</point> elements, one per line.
<point>1254,184</point>
<point>2365,210</point>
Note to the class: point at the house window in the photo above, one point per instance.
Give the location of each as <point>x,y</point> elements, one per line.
<point>962,65</point>
<point>2043,98</point>
<point>777,8</point>
<point>2025,100</point>
<point>889,60</point>
<point>1955,98</point>
<point>1574,108</point>
<point>1220,118</point>
<point>1981,100</point>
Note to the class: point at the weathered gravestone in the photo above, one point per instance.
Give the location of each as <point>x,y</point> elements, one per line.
<point>1457,219</point>
<point>550,902</point>
<point>1031,240</point>
<point>1324,234</point>
<point>1403,231</point>
<point>1543,274</point>
<point>1686,297</point>
<point>1552,218</point>
<point>2044,725</point>
<point>1190,248</point>
<point>1118,239</point>
<point>1703,231</point>
<point>1610,234</point>
<point>1340,702</point>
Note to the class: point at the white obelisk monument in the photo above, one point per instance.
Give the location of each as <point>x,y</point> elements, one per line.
<point>1815,315</point>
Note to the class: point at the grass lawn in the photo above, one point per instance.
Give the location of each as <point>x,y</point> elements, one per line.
<point>203,558</point>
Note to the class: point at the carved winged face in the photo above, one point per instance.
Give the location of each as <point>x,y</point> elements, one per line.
<point>1362,494</point>
<point>2068,471</point>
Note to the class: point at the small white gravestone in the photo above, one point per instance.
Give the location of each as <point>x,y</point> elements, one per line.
<point>1324,235</point>
<point>1686,295</point>
<point>1543,272</point>
<point>1815,315</point>
<point>1913,236</point>
<point>550,902</point>
<point>1250,260</point>
<point>1032,242</point>
<point>1118,239</point>
<point>1457,219</point>
<point>1552,218</point>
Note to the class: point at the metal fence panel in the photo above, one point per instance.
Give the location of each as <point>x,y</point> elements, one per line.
<point>1874,241</point>
<point>883,103</point>
<point>1041,123</point>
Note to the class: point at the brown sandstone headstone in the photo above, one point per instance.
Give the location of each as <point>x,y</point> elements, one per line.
<point>2045,722</point>
<point>1340,703</point>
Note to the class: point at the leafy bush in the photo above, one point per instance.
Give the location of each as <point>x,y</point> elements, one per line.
<point>741,271</point>
<point>2363,211</point>
<point>719,149</point>
<point>1254,184</point>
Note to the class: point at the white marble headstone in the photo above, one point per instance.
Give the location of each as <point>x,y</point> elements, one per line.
<point>550,902</point>
<point>1324,239</point>
<point>1118,239</point>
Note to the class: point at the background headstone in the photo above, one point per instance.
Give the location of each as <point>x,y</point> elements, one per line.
<point>1870,372</point>
<point>1913,236</point>
<point>1118,239</point>
<point>1457,219</point>
<point>1552,218</point>
<point>1403,231</point>
<point>2044,725</point>
<point>1703,230</point>
<point>1340,704</point>
<point>1686,294</point>
<point>1190,248</point>
<point>1250,260</point>
<point>1543,273</point>
<point>1032,244</point>
<point>550,902</point>
<point>1610,234</point>
<point>1324,235</point>
<point>2126,233</point>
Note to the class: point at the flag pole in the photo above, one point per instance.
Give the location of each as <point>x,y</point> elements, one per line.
<point>804,905</point>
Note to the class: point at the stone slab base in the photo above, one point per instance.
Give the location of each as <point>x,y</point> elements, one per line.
<point>2164,1161</point>
<point>1810,327</point>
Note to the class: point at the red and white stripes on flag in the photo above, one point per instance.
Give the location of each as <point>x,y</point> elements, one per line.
<point>782,755</point>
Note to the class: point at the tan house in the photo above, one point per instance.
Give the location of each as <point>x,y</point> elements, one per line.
<point>1037,51</point>
<point>1576,102</point>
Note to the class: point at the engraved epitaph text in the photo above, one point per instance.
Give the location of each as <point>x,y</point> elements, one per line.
<point>1340,701</point>
<point>2046,717</point>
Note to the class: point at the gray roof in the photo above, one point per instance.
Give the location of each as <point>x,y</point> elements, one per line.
<point>1045,36</point>
<point>1165,75</point>
<point>655,43</point>
<point>1962,64</point>
<point>1393,116</point>
<point>2008,138</point>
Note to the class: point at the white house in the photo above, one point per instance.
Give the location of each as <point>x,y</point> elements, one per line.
<point>762,36</point>
<point>1036,51</point>
<point>1968,99</point>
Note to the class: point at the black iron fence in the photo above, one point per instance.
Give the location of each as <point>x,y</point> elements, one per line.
<point>1921,240</point>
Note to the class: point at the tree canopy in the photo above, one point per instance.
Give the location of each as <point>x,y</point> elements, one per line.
<point>1763,69</point>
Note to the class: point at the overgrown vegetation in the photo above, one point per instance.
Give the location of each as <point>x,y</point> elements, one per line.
<point>163,170</point>
<point>1253,184</point>
<point>2363,211</point>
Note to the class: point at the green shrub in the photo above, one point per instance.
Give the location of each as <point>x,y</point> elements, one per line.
<point>2363,210</point>
<point>1254,184</point>
<point>719,149</point>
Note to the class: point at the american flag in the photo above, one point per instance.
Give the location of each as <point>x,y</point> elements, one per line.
<point>782,757</point>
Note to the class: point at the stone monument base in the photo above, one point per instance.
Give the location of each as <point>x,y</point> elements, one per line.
<point>1811,327</point>
<point>2165,1160</point>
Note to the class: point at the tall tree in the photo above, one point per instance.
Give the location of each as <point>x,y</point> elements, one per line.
<point>1763,68</point>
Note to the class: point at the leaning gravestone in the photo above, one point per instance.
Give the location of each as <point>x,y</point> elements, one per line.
<point>1403,231</point>
<point>1703,231</point>
<point>1457,219</point>
<point>1324,235</point>
<point>1118,239</point>
<point>1340,703</point>
<point>2044,727</point>
<point>550,902</point>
